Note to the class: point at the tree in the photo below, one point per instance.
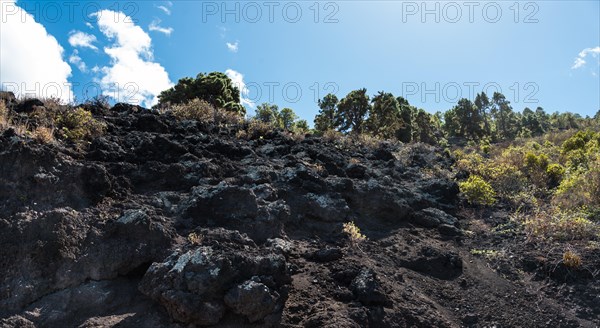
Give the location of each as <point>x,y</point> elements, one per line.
<point>287,118</point>
<point>328,118</point>
<point>352,110</point>
<point>470,119</point>
<point>426,130</point>
<point>301,126</point>
<point>384,117</point>
<point>404,133</point>
<point>483,104</point>
<point>215,88</point>
<point>268,113</point>
<point>504,117</point>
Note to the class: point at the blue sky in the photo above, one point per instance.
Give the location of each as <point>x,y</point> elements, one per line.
<point>544,53</point>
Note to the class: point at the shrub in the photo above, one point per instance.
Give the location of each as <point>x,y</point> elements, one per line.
<point>196,109</point>
<point>255,130</point>
<point>353,232</point>
<point>560,225</point>
<point>478,191</point>
<point>536,162</point>
<point>580,188</point>
<point>571,259</point>
<point>78,125</point>
<point>576,141</point>
<point>332,135</point>
<point>468,162</point>
<point>506,179</point>
<point>555,173</point>
<point>3,116</point>
<point>43,134</point>
<point>195,239</point>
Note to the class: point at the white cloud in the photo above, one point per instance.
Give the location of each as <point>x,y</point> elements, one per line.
<point>76,60</point>
<point>155,27</point>
<point>580,61</point>
<point>88,24</point>
<point>164,9</point>
<point>237,79</point>
<point>31,60</point>
<point>133,77</point>
<point>82,39</point>
<point>233,47</point>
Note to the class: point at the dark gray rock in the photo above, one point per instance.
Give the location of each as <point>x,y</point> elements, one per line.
<point>252,299</point>
<point>327,254</point>
<point>197,285</point>
<point>367,289</point>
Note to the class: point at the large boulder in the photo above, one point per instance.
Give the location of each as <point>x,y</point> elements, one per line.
<point>42,252</point>
<point>227,272</point>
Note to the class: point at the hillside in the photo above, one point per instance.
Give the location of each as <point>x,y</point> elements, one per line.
<point>138,218</point>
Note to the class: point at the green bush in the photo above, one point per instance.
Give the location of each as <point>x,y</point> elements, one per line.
<point>478,191</point>
<point>78,125</point>
<point>536,162</point>
<point>555,173</point>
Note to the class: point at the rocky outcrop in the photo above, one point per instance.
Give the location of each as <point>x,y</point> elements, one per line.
<point>167,223</point>
<point>228,273</point>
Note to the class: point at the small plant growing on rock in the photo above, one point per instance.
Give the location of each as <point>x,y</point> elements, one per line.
<point>43,134</point>
<point>571,259</point>
<point>3,116</point>
<point>78,125</point>
<point>194,238</point>
<point>353,232</point>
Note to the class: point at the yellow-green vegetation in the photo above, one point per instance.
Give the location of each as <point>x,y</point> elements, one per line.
<point>559,225</point>
<point>78,124</point>
<point>551,183</point>
<point>353,232</point>
<point>478,191</point>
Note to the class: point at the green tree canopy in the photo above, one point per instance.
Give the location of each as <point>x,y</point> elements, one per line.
<point>384,117</point>
<point>328,118</point>
<point>268,113</point>
<point>215,88</point>
<point>353,109</point>
<point>287,118</point>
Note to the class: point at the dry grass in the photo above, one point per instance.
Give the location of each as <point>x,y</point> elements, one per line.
<point>202,111</point>
<point>556,225</point>
<point>332,136</point>
<point>255,130</point>
<point>43,134</point>
<point>195,239</point>
<point>3,116</point>
<point>572,259</point>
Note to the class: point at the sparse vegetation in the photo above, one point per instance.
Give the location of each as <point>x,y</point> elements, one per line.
<point>78,125</point>
<point>353,232</point>
<point>194,238</point>
<point>571,259</point>
<point>3,116</point>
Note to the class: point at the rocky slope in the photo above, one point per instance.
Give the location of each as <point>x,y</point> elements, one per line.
<point>162,223</point>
